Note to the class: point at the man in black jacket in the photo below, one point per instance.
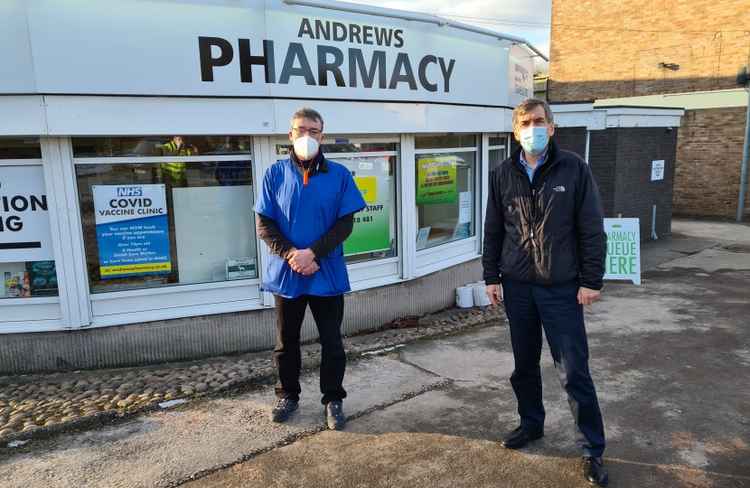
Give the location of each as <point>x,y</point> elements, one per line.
<point>544,251</point>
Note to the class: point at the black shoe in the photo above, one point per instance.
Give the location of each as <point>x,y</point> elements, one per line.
<point>283,409</point>
<point>594,471</point>
<point>520,437</point>
<point>335,415</point>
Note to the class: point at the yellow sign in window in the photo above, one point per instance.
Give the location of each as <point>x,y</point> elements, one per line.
<point>368,186</point>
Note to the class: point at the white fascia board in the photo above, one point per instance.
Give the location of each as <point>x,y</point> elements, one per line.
<point>630,117</point>
<point>95,116</point>
<point>571,107</point>
<point>644,111</point>
<point>633,120</point>
<point>733,97</point>
<point>101,116</point>
<point>397,118</point>
<point>579,115</point>
<point>599,118</point>
<point>22,115</point>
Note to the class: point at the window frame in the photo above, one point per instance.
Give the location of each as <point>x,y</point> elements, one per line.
<point>190,299</point>
<point>373,272</point>
<point>34,314</point>
<point>444,255</point>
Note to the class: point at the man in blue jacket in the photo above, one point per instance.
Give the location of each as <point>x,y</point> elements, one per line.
<point>544,252</point>
<point>305,211</point>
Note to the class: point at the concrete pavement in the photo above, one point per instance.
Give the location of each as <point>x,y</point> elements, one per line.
<point>670,360</point>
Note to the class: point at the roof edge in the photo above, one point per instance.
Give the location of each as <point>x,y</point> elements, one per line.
<point>414,16</point>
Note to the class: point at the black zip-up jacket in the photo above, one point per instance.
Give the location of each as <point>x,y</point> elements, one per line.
<point>548,231</point>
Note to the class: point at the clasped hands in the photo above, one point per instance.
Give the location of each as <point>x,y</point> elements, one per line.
<point>302,261</point>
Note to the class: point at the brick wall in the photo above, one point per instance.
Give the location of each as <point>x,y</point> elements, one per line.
<point>612,48</point>
<point>572,139</point>
<point>709,154</point>
<point>603,161</point>
<point>635,192</point>
<point>621,161</point>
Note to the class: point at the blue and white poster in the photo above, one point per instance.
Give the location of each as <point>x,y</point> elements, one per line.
<point>132,230</point>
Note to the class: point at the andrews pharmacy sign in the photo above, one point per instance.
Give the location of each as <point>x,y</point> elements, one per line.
<point>248,48</point>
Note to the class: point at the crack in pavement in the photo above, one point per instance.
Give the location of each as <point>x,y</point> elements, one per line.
<point>678,467</point>
<point>298,436</point>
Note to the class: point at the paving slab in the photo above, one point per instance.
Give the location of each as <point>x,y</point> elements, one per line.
<point>163,448</point>
<point>435,461</point>
<point>669,358</point>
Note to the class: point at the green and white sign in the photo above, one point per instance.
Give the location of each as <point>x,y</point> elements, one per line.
<point>371,231</point>
<point>623,250</point>
<point>372,226</point>
<point>436,180</point>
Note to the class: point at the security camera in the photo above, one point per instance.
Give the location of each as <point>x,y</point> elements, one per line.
<point>743,77</point>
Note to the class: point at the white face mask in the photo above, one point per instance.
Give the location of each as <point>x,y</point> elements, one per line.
<point>306,148</point>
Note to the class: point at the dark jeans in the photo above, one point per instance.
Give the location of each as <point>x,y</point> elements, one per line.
<point>529,308</point>
<point>328,313</point>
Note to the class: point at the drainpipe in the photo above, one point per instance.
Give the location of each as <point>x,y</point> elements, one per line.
<point>743,171</point>
<point>743,79</point>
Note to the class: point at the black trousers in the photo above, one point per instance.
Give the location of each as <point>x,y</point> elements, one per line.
<point>556,309</point>
<point>328,313</point>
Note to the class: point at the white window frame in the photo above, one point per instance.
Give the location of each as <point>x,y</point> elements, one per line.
<point>375,272</point>
<point>147,304</point>
<point>504,147</point>
<point>452,253</point>
<point>34,314</point>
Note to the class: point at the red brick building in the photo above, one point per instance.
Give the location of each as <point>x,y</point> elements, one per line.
<point>665,53</point>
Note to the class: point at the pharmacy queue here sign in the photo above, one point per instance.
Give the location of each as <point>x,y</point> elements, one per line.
<point>623,260</point>
<point>132,230</point>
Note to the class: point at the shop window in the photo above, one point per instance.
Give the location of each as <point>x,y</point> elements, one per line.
<point>497,149</point>
<point>27,266</point>
<point>20,148</point>
<point>446,190</point>
<point>88,147</point>
<point>164,221</point>
<point>373,164</point>
<point>498,140</point>
<point>445,141</point>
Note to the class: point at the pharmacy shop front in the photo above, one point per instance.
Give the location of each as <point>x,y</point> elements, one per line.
<point>133,138</point>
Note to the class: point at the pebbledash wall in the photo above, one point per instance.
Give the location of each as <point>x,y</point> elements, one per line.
<point>130,156</point>
<point>670,54</point>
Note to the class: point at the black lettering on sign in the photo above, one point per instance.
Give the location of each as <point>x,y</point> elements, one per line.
<point>208,62</point>
<point>324,66</point>
<point>354,33</point>
<point>432,87</point>
<point>402,63</point>
<point>368,73</point>
<point>447,72</point>
<point>357,62</point>
<point>399,35</point>
<point>339,32</point>
<point>12,223</point>
<point>296,53</point>
<point>323,30</point>
<point>383,36</point>
<point>367,33</point>
<point>305,29</point>
<point>247,60</point>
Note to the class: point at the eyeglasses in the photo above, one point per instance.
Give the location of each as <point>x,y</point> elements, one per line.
<point>305,130</point>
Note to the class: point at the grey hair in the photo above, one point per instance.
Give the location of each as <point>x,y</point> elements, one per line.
<point>307,113</point>
<point>530,104</point>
